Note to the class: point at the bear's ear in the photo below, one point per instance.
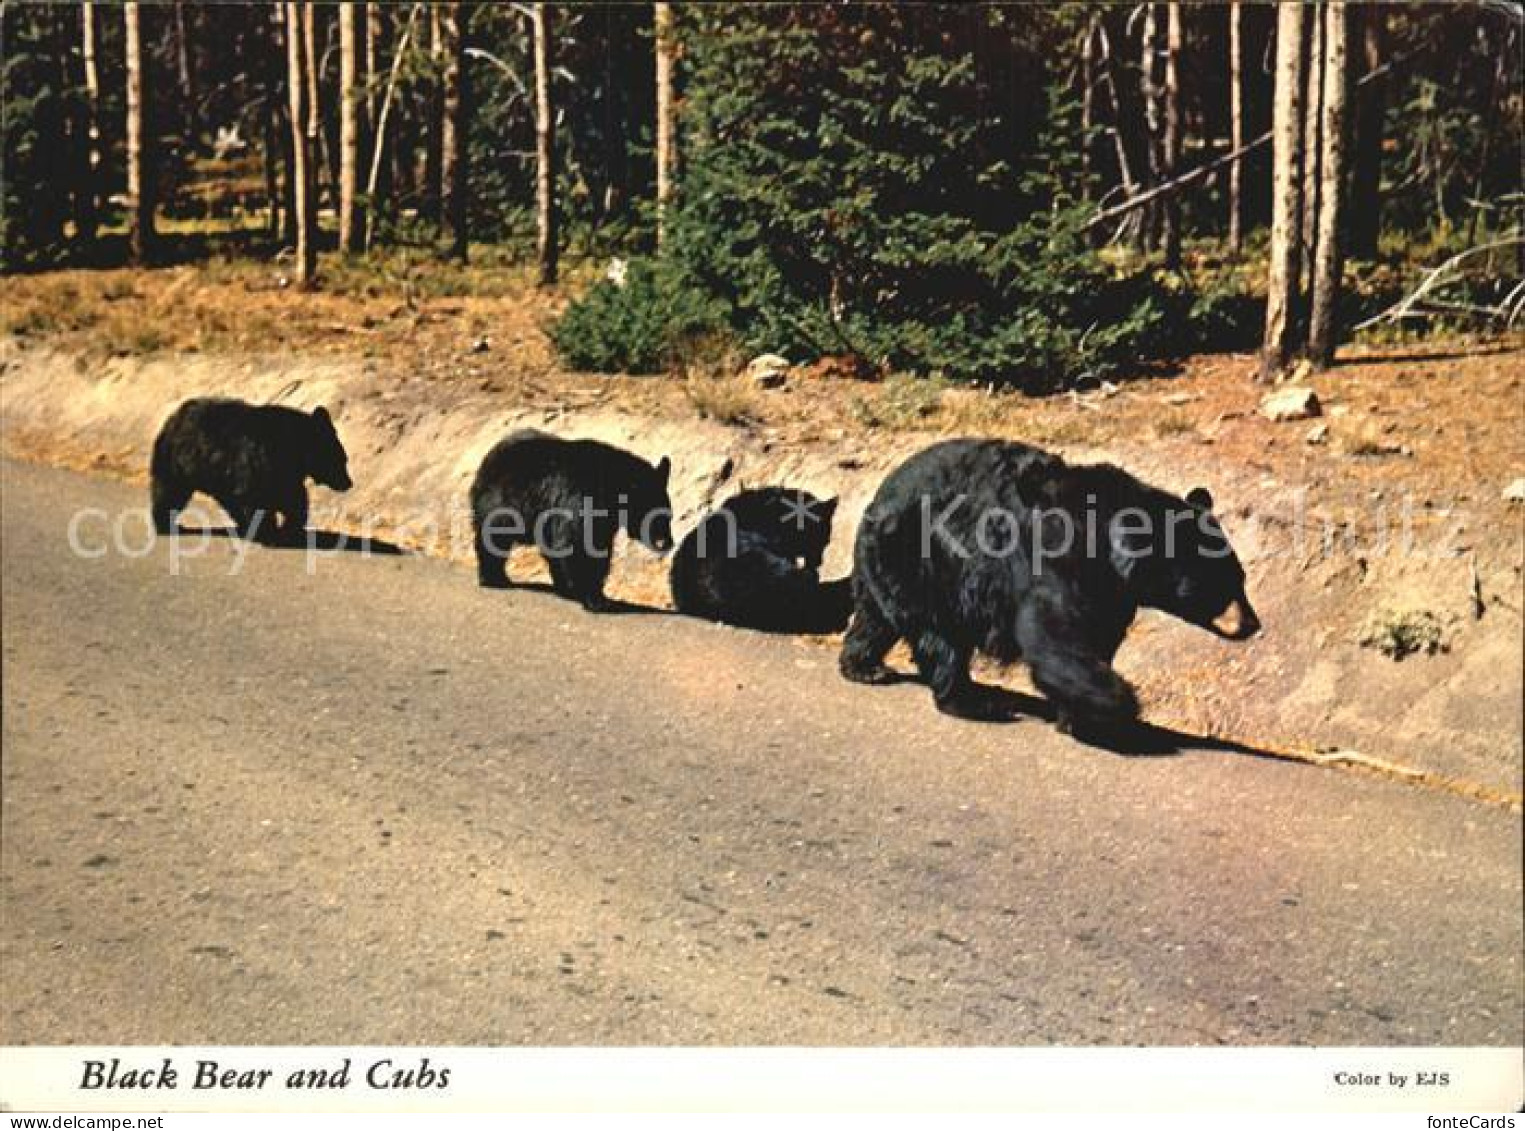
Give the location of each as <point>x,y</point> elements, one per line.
<point>1200,497</point>
<point>321,413</point>
<point>664,469</point>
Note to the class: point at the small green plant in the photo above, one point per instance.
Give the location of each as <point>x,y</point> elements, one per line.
<point>636,321</point>
<point>1400,634</point>
<point>901,404</point>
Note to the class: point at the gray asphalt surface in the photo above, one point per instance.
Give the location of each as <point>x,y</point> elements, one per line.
<point>376,805</point>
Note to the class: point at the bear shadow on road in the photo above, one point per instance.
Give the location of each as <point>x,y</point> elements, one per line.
<point>326,541</point>
<point>990,703</point>
<point>614,606</point>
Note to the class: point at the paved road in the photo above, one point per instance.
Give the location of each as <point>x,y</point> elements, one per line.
<point>374,804</point>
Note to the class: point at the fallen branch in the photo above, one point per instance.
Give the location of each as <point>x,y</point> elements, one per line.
<point>1175,185</point>
<point>1410,305</point>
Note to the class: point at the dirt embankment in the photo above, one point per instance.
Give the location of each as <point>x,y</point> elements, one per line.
<point>1384,534</point>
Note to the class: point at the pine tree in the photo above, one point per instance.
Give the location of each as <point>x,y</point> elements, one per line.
<point>861,182</point>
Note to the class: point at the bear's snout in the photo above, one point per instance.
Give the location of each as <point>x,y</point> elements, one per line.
<point>1238,621</point>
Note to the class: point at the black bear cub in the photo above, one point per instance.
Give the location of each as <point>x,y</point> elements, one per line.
<point>755,562</point>
<point>1000,548</point>
<point>255,460</point>
<point>569,498</point>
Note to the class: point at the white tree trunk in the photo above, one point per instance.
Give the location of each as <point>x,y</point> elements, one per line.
<point>667,139</point>
<point>303,149</point>
<point>1170,147</point>
<point>1236,126</point>
<point>1333,134</point>
<point>1313,80</point>
<point>1286,192</point>
<point>352,125</point>
<point>545,148</point>
<point>453,124</point>
<point>140,221</point>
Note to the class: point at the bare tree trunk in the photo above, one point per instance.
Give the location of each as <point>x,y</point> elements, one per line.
<point>140,169</point>
<point>545,147</point>
<point>434,118</point>
<point>1327,263</point>
<point>280,72</point>
<point>1170,213</point>
<point>454,122</point>
<point>1312,149</point>
<point>1149,87</point>
<point>667,134</point>
<point>1371,109</point>
<point>1286,193</point>
<point>352,127</point>
<point>272,145</point>
<point>316,140</point>
<point>1088,107</point>
<point>299,25</point>
<point>188,98</point>
<point>87,130</point>
<point>375,35</point>
<point>92,79</point>
<point>1236,126</point>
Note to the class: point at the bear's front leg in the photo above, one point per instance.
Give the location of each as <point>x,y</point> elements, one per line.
<point>868,640</point>
<point>1085,691</point>
<point>293,511</point>
<point>167,498</point>
<point>252,523</point>
<point>587,574</point>
<point>945,667</point>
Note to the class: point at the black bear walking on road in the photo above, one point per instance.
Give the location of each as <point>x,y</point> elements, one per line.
<point>255,460</point>
<point>1000,548</point>
<point>755,562</point>
<point>569,498</point>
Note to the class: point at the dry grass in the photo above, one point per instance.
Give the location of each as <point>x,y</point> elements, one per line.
<point>732,399</point>
<point>485,324</point>
<point>1173,424</point>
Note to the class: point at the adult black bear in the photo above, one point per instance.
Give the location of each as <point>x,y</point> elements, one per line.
<point>569,498</point>
<point>255,460</point>
<point>755,562</point>
<point>979,545</point>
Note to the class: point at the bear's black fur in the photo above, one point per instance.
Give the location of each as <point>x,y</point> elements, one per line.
<point>922,573</point>
<point>755,562</point>
<point>255,460</point>
<point>568,498</point>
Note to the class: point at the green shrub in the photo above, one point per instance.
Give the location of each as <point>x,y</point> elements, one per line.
<point>871,182</point>
<point>632,326</point>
